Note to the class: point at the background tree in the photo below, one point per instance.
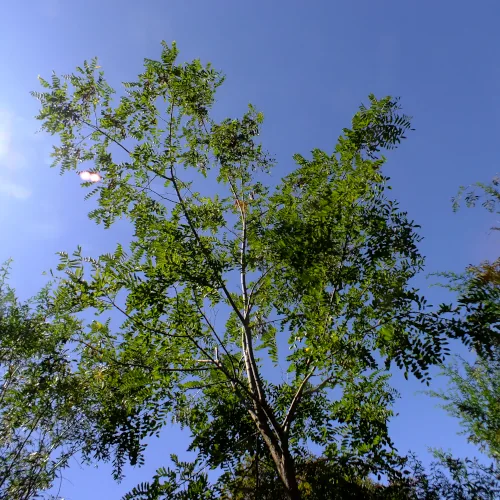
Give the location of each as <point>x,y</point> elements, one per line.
<point>451,479</point>
<point>312,274</point>
<point>39,430</point>
<point>473,395</point>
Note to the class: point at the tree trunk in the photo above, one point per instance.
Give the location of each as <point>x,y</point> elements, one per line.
<point>286,470</point>
<point>280,453</point>
<point>274,435</point>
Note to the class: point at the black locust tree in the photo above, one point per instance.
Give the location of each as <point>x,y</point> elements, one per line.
<point>228,277</point>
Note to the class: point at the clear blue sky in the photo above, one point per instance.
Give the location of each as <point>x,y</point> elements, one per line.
<point>307,66</point>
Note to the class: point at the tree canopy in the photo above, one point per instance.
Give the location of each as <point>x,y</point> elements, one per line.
<point>228,278</point>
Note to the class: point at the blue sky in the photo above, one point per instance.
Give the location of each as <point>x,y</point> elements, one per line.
<point>307,66</point>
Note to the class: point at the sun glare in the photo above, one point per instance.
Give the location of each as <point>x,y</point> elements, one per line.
<point>90,176</point>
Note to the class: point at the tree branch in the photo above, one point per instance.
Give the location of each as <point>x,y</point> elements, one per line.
<point>320,386</point>
<point>216,335</point>
<point>295,401</point>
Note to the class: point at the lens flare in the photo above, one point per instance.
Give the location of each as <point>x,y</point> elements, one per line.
<point>85,176</point>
